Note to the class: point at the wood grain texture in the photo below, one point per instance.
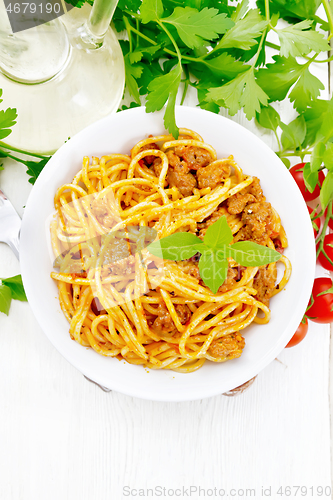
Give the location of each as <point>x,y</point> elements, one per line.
<point>62,437</point>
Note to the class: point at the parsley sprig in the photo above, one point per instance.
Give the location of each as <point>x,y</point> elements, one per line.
<point>11,288</point>
<point>220,50</point>
<point>215,249</point>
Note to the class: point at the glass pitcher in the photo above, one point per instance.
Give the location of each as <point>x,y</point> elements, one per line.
<point>61,75</point>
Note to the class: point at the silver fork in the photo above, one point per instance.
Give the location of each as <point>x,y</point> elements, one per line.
<point>10,224</point>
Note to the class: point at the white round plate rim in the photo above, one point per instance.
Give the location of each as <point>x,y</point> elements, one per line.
<point>117,133</point>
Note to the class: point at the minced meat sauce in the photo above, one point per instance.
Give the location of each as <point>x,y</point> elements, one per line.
<point>164,323</point>
<point>189,168</point>
<point>227,347</point>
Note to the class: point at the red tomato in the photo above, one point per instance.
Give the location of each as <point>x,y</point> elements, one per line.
<point>299,335</point>
<point>321,310</point>
<point>328,247</point>
<point>297,173</point>
<point>316,221</point>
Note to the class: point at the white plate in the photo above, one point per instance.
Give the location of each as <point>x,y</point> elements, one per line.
<point>118,133</point>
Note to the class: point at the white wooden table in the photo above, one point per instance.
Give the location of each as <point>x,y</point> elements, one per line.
<point>61,437</point>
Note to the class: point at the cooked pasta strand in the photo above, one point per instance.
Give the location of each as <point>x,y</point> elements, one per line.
<point>122,302</point>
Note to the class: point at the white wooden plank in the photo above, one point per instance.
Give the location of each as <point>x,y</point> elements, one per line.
<point>330,86</point>
<point>59,430</point>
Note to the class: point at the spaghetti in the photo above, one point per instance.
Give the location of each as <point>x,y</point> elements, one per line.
<point>123,302</point>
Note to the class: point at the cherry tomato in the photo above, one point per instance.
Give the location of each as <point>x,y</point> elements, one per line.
<point>299,335</point>
<point>328,247</point>
<point>297,173</point>
<point>317,221</point>
<point>321,310</point>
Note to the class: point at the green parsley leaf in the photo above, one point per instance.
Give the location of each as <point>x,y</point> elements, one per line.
<point>314,117</point>
<point>328,156</point>
<point>326,192</point>
<point>295,41</point>
<point>306,90</point>
<point>35,168</point>
<point>218,234</point>
<point>243,91</point>
<point>131,105</point>
<point>177,246</point>
<point>151,10</point>
<point>293,134</point>
<point>277,78</point>
<point>240,11</point>
<point>302,9</point>
<point>16,286</point>
<point>129,4</point>
<point>76,3</point>
<point>225,66</point>
<point>228,95</point>
<point>274,19</point>
<point>7,120</point>
<point>143,52</point>
<point>161,87</point>
<point>213,269</point>
<point>209,106</point>
<point>119,14</point>
<point>286,161</point>
<point>149,73</point>
<point>250,254</point>
<point>194,26</point>
<point>325,131</point>
<point>310,178</point>
<point>317,156</point>
<point>132,72</point>
<point>245,32</point>
<point>194,29</point>
<point>5,299</point>
<point>134,57</point>
<point>288,140</point>
<point>268,118</point>
<point>169,115</point>
<point>160,90</point>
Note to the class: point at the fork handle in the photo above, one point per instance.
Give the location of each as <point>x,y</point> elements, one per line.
<point>13,243</point>
<point>11,224</point>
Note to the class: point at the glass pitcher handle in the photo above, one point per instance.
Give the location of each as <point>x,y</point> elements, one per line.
<point>93,31</point>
